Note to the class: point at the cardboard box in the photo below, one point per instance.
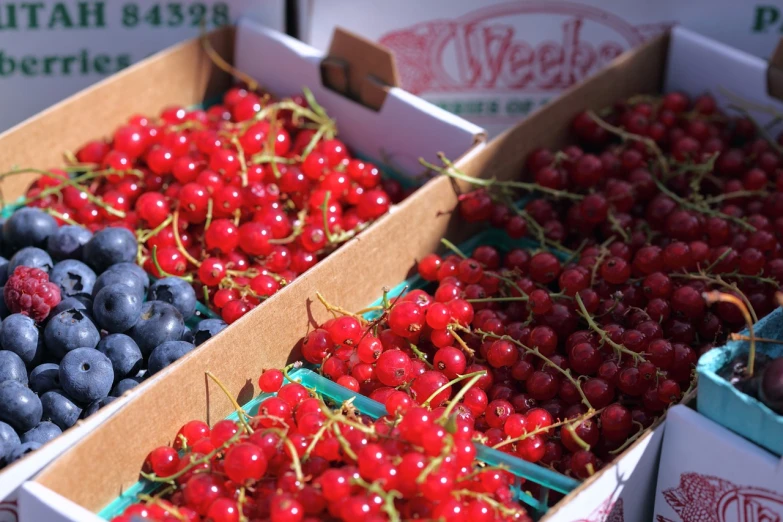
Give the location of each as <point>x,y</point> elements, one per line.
<point>709,473</point>
<point>495,62</point>
<point>50,50</point>
<point>403,129</point>
<point>91,473</point>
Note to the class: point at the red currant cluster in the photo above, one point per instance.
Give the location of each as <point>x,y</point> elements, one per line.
<point>300,460</point>
<point>579,346</point>
<point>690,199</point>
<point>241,198</point>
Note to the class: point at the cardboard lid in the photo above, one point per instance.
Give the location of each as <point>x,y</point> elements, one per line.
<point>775,73</point>
<point>359,69</point>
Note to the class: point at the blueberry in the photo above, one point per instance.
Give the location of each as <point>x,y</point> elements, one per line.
<point>124,354</point>
<point>3,270</point>
<point>166,354</point>
<point>121,276</point>
<point>116,308</point>
<point>73,277</point>
<point>71,303</point>
<point>207,329</point>
<point>68,242</point>
<point>187,335</point>
<point>69,330</point>
<point>44,378</point>
<point>176,291</point>
<point>110,246</point>
<point>21,450</point>
<point>159,322</point>
<point>32,257</point>
<point>20,335</point>
<point>86,375</point>
<point>12,368</point>
<point>60,409</point>
<point>143,276</point>
<point>28,227</point>
<point>42,433</point>
<point>8,440</point>
<point>121,387</point>
<point>19,406</point>
<point>97,405</point>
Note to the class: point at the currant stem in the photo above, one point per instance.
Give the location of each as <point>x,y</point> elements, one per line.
<point>422,357</point>
<point>178,239</point>
<point>337,310</point>
<point>475,377</point>
<point>618,348</point>
<point>325,211</point>
<point>451,246</point>
<point>241,413</point>
<point>388,497</point>
<point>716,296</point>
<point>163,272</point>
<point>537,353</point>
<point>460,394</point>
<point>465,348</point>
<point>218,60</point>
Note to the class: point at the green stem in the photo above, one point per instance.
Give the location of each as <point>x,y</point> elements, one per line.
<point>448,385</point>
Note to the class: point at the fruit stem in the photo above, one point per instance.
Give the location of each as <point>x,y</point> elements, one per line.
<point>387,496</point>
<point>162,272</point>
<point>717,296</point>
<point>242,160</point>
<point>193,463</point>
<point>543,429</point>
<point>295,462</point>
<point>475,376</point>
<point>286,369</point>
<point>325,212</point>
<point>241,413</point>
<point>61,217</point>
<point>338,310</point>
<point>465,348</point>
<point>537,353</point>
<point>497,299</point>
<point>451,246</point>
<point>346,447</point>
<point>422,357</point>
<point>628,136</point>
<point>448,445</point>
<point>143,237</point>
<point>730,287</point>
<point>618,348</point>
<point>461,393</point>
<point>178,240</point>
<point>497,506</point>
<point>218,60</point>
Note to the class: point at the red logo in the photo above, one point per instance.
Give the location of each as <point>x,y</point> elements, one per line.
<point>8,511</point>
<point>608,511</point>
<point>701,498</point>
<point>490,49</point>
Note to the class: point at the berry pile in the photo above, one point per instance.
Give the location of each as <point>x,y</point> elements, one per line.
<point>300,460</point>
<point>662,188</point>
<point>240,198</point>
<point>580,345</point>
<point>76,330</point>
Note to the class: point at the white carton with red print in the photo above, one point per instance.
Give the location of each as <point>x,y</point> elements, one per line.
<point>710,474</point>
<point>493,62</point>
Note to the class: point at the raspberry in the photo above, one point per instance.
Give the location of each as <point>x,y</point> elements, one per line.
<point>29,292</point>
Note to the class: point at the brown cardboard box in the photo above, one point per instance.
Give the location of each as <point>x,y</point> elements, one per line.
<point>95,470</point>
<point>184,75</point>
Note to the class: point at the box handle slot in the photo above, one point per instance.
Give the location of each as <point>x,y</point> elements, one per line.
<point>775,73</point>
<point>359,69</point>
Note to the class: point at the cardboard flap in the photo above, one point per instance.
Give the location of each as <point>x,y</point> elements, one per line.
<point>359,69</point>
<point>404,129</point>
<point>775,73</point>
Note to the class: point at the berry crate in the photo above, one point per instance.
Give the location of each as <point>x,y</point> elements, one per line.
<point>338,394</point>
<point>723,403</point>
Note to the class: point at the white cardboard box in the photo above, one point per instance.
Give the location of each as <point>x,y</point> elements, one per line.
<point>709,473</point>
<point>54,48</point>
<point>495,61</point>
<point>403,130</point>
